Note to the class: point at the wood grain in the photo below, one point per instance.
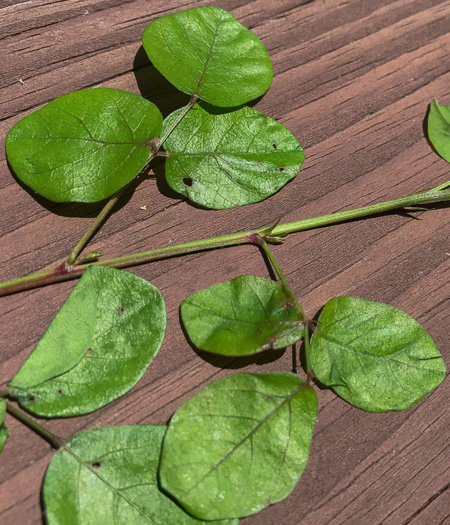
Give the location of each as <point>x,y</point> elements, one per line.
<point>353,79</point>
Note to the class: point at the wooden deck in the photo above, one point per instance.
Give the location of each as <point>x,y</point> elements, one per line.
<point>353,79</point>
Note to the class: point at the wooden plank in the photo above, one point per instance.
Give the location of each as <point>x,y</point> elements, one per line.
<point>352,81</point>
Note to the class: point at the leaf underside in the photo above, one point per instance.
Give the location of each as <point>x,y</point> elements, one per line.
<point>439,128</point>
<point>373,355</point>
<point>96,348</point>
<point>241,317</point>
<point>239,445</point>
<point>222,160</point>
<point>84,146</point>
<point>206,52</point>
<point>111,478</point>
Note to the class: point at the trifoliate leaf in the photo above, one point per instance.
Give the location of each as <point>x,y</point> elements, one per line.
<point>229,159</point>
<point>96,348</point>
<point>241,317</point>
<point>84,146</point>
<point>373,355</point>
<point>239,445</point>
<point>206,52</point>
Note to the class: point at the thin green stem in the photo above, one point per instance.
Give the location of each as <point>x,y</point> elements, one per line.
<point>61,273</point>
<point>282,278</point>
<point>72,257</point>
<point>180,117</point>
<point>308,368</point>
<point>55,441</point>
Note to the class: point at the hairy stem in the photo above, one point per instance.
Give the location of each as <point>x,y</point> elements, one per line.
<point>55,441</point>
<point>62,273</point>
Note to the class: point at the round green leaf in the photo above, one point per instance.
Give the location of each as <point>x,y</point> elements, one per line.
<point>241,317</point>
<point>229,159</point>
<point>373,355</point>
<point>84,146</point>
<point>239,445</point>
<point>3,430</point>
<point>206,52</point>
<point>439,128</point>
<point>110,477</point>
<point>96,348</point>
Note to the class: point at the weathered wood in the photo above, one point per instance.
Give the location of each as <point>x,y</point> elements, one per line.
<point>352,81</point>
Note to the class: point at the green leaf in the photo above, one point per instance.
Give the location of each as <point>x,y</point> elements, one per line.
<point>96,348</point>
<point>206,52</point>
<point>84,146</point>
<point>373,355</point>
<point>229,159</point>
<point>239,445</point>
<point>109,475</point>
<point>241,317</point>
<point>439,128</point>
<point>3,430</point>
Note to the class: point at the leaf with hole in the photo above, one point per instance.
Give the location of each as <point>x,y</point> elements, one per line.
<point>3,430</point>
<point>241,317</point>
<point>222,160</point>
<point>373,355</point>
<point>439,128</point>
<point>84,146</point>
<point>239,445</point>
<point>206,52</point>
<point>96,348</point>
<point>109,475</point>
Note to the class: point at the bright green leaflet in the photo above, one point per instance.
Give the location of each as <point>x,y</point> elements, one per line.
<point>84,146</point>
<point>206,52</point>
<point>373,355</point>
<point>439,128</point>
<point>96,348</point>
<point>3,430</point>
<point>241,317</point>
<point>239,445</point>
<point>111,478</point>
<point>229,159</point>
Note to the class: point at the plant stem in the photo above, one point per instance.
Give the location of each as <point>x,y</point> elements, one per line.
<point>61,273</point>
<point>282,278</point>
<point>180,117</point>
<point>55,441</point>
<point>308,368</point>
<point>71,258</point>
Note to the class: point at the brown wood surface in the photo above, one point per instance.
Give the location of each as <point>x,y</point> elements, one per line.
<point>353,79</point>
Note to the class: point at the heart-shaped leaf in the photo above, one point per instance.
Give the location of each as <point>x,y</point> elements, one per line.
<point>3,430</point>
<point>109,475</point>
<point>239,445</point>
<point>206,52</point>
<point>373,355</point>
<point>241,317</point>
<point>84,146</point>
<point>229,159</point>
<point>96,348</point>
<point>439,128</point>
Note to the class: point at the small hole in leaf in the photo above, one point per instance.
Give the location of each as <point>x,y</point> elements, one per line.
<point>121,309</point>
<point>59,391</point>
<point>31,398</point>
<point>187,181</point>
<point>89,350</point>
<point>274,146</point>
<point>281,169</point>
<point>96,464</point>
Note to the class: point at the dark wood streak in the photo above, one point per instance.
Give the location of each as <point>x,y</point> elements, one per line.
<point>352,81</point>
